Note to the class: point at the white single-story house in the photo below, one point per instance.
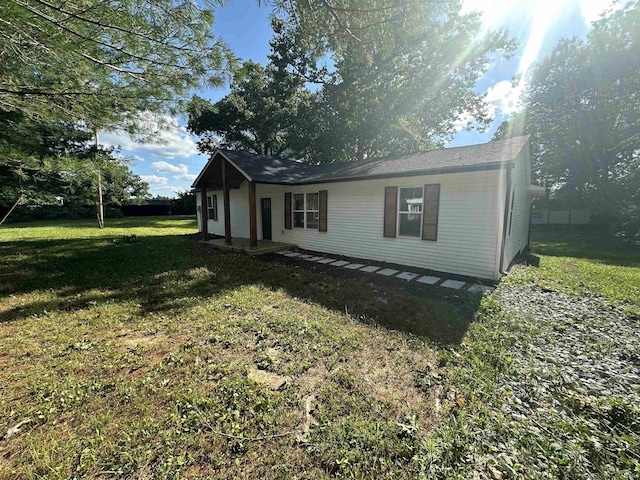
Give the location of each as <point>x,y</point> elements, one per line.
<point>462,210</point>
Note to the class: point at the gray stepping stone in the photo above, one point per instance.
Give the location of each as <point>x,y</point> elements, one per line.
<point>327,260</point>
<point>306,256</point>
<point>407,276</point>
<point>314,259</point>
<point>429,280</point>
<point>340,263</point>
<point>477,288</point>
<point>283,252</point>
<point>292,254</point>
<point>369,269</point>
<point>387,272</point>
<point>455,284</point>
<point>354,266</point>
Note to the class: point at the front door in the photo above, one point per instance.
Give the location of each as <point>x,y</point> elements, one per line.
<point>266,218</point>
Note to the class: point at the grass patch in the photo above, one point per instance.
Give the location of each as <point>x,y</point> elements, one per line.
<point>133,351</point>
<point>583,261</point>
<point>138,352</point>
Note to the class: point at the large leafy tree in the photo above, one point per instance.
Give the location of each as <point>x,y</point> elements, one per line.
<point>41,161</point>
<point>261,112</point>
<point>582,108</point>
<point>101,62</point>
<point>395,76</point>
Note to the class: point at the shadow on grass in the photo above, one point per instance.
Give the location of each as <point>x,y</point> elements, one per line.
<point>156,271</point>
<point>584,241</point>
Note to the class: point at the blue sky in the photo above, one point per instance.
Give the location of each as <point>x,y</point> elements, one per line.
<point>171,164</point>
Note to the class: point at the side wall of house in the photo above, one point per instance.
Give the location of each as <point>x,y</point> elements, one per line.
<point>468,222</point>
<point>520,212</point>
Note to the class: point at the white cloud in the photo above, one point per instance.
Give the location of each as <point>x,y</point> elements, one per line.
<point>463,120</point>
<point>165,190</point>
<point>592,10</point>
<point>163,166</point>
<point>187,177</point>
<point>167,139</point>
<point>155,180</point>
<point>504,97</point>
<point>137,158</point>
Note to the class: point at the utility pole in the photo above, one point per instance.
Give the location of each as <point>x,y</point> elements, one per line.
<point>100,212</point>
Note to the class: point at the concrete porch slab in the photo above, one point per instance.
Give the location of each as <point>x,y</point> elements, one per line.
<point>242,245</point>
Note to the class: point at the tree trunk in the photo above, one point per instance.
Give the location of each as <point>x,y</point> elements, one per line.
<point>100,207</point>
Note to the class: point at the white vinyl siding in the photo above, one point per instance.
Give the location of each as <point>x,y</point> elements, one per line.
<point>519,210</point>
<point>468,222</point>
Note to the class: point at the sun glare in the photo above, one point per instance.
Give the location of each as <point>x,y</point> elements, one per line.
<point>530,21</point>
<point>540,15</point>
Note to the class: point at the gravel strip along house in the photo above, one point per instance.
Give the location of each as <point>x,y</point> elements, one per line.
<point>462,210</point>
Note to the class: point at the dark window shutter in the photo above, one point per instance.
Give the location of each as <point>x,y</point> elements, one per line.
<point>215,208</point>
<point>430,212</point>
<point>390,211</point>
<point>287,211</point>
<point>322,214</point>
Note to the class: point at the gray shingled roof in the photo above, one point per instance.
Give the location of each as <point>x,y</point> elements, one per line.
<point>263,169</point>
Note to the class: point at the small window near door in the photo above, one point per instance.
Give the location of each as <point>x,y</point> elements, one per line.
<point>212,207</point>
<point>410,212</point>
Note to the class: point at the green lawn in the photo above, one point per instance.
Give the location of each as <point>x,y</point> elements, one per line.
<point>155,357</point>
<point>584,260</point>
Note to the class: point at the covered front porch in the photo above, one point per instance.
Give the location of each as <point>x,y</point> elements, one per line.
<point>221,174</point>
<point>244,245</point>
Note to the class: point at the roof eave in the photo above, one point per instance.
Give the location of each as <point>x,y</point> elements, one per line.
<point>211,158</point>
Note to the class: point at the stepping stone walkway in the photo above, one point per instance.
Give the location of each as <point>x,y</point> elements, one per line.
<point>429,280</point>
<point>340,263</point>
<point>327,260</point>
<point>354,266</point>
<point>408,276</point>
<point>455,284</point>
<point>390,272</point>
<point>387,272</point>
<point>370,269</point>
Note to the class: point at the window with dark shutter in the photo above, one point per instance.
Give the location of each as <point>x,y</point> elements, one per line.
<point>430,212</point>
<point>390,211</point>
<point>323,211</point>
<point>212,207</point>
<point>287,211</point>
